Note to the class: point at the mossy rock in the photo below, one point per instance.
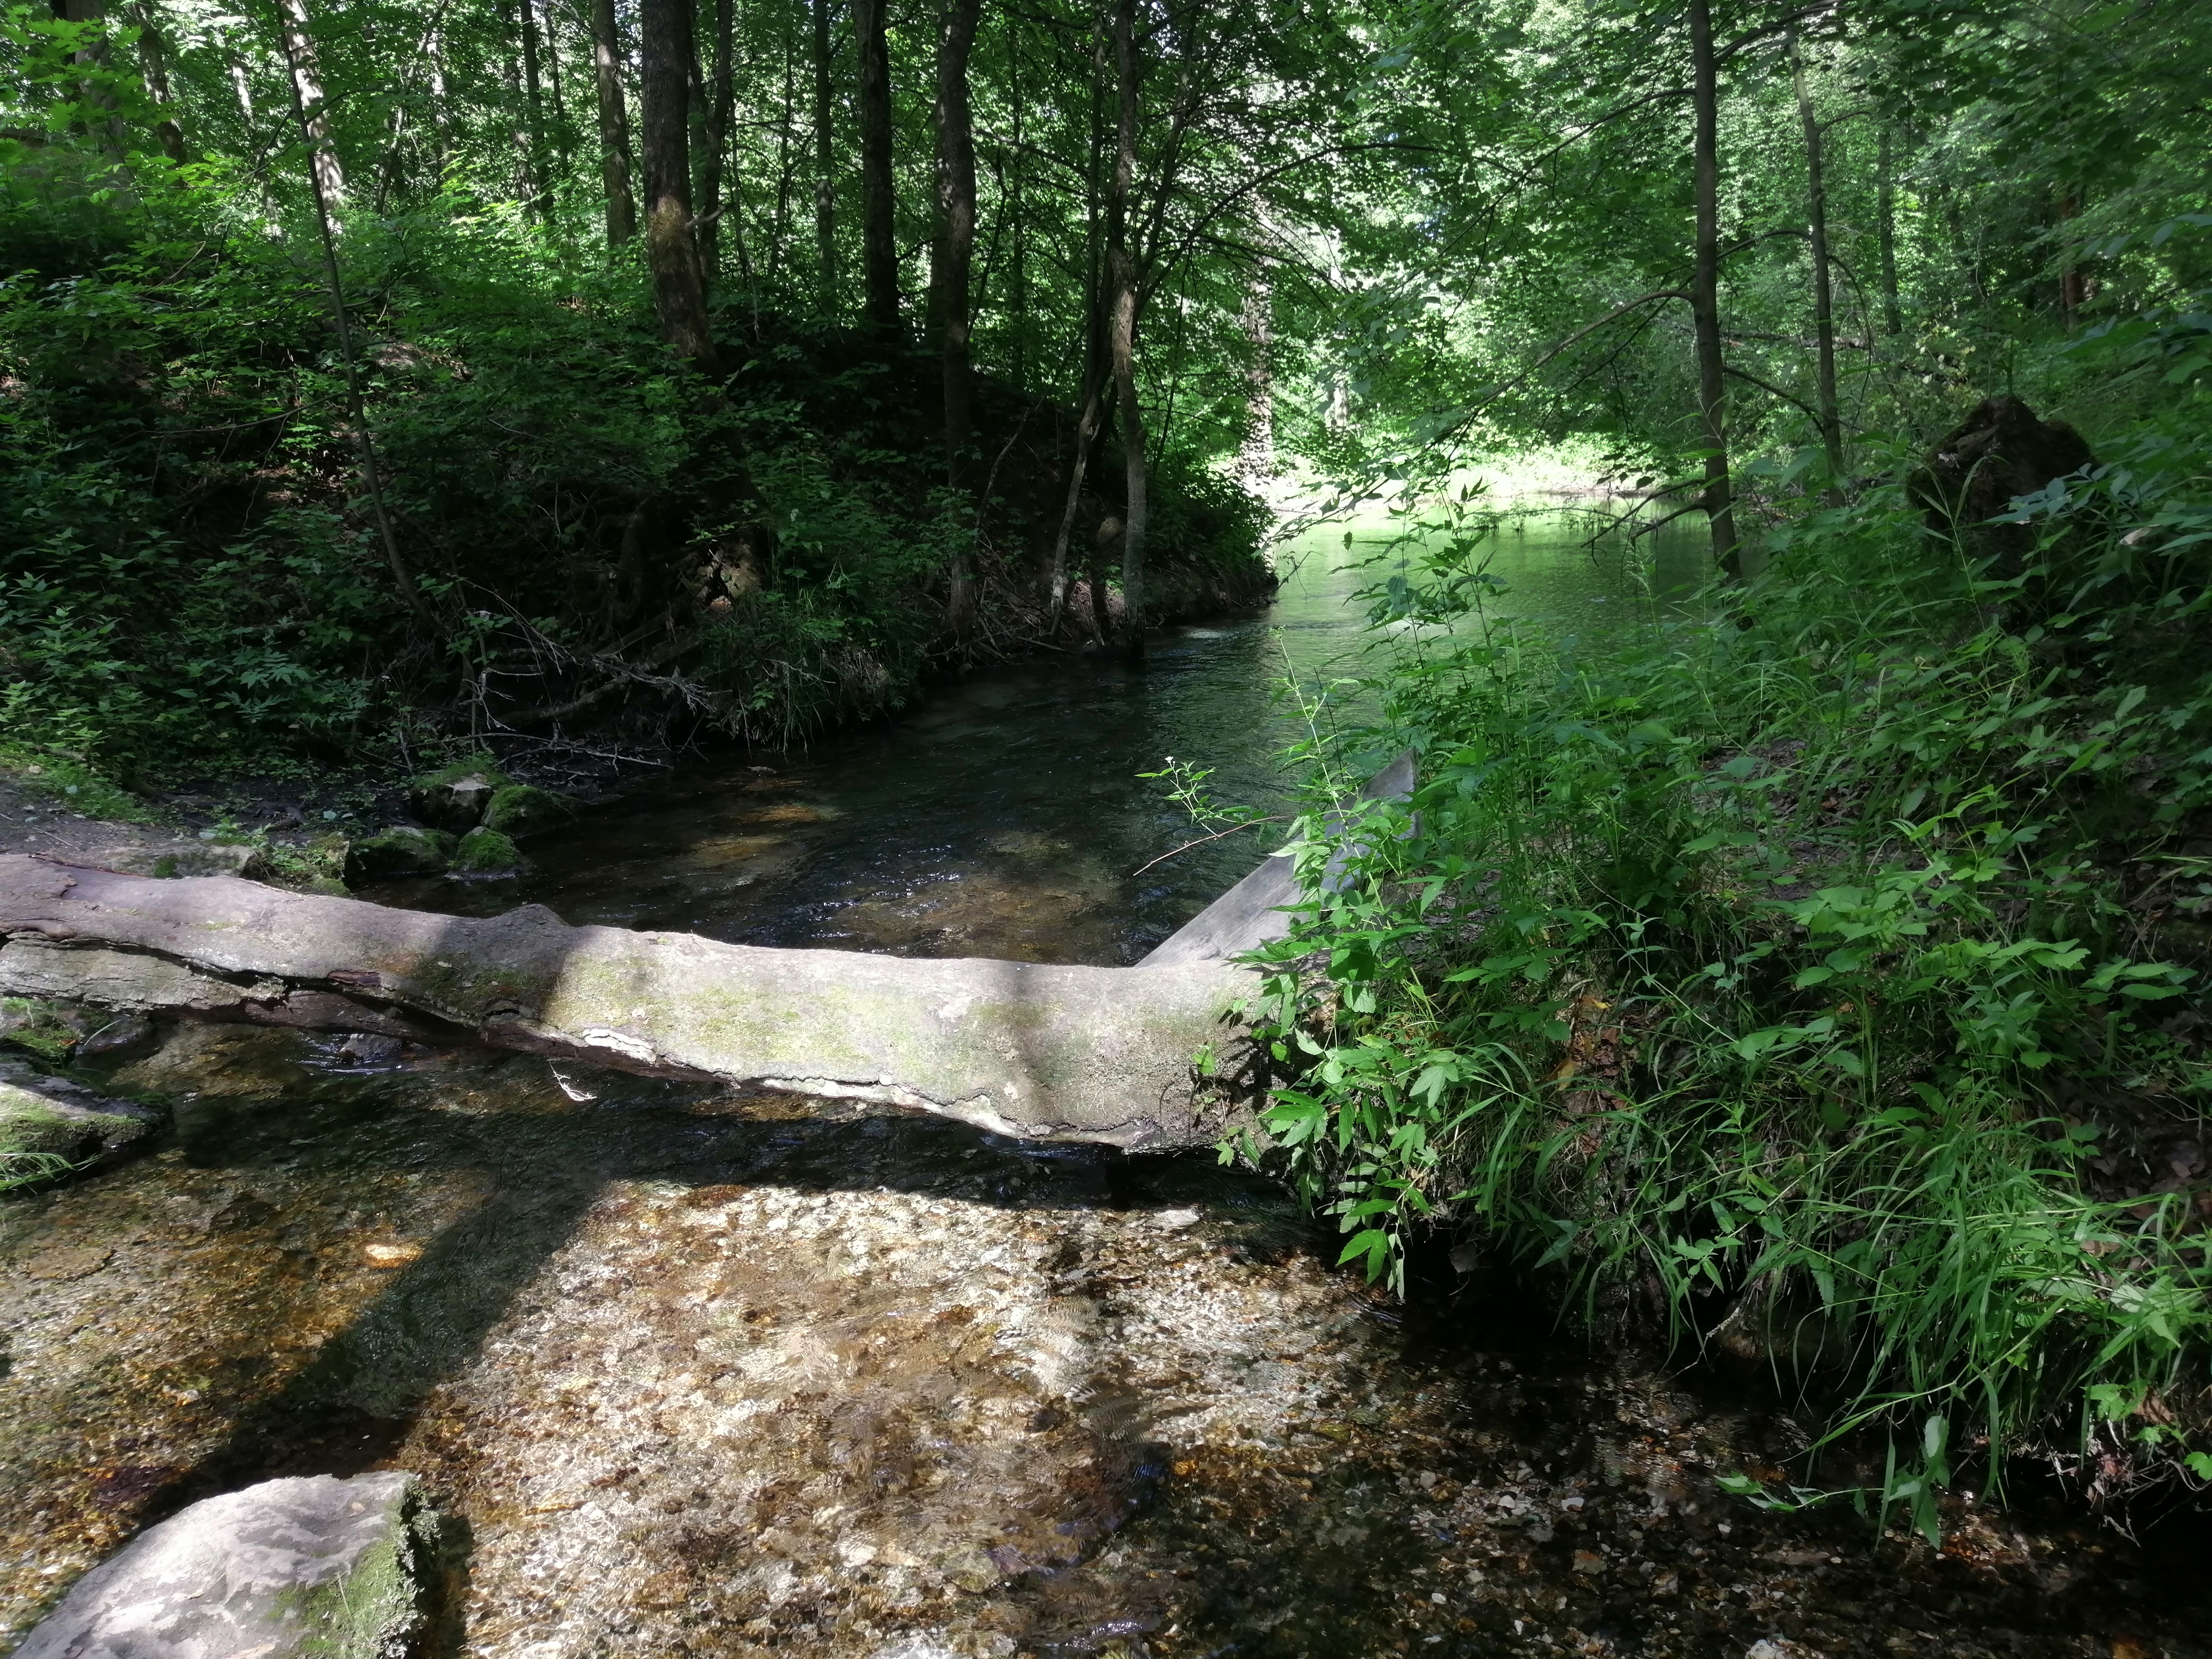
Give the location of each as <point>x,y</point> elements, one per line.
<point>44,1029</point>
<point>49,1126</point>
<point>487,853</point>
<point>402,850</point>
<point>523,809</point>
<point>455,797</point>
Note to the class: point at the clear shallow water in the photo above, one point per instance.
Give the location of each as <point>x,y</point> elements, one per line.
<point>707,1373</point>
<point>1006,817</point>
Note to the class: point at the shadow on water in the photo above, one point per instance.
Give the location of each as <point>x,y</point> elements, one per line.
<point>705,1373</point>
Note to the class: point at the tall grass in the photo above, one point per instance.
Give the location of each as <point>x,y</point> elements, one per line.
<point>1812,979</point>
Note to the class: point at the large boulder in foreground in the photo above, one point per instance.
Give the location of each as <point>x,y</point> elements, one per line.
<point>292,1567</point>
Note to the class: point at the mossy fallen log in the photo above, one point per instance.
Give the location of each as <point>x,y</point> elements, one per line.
<point>1043,1052</point>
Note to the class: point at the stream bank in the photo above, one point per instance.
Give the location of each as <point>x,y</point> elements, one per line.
<point>714,1373</point>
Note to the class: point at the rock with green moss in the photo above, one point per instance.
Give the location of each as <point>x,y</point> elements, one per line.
<point>523,809</point>
<point>403,850</point>
<point>486,852</point>
<point>50,1031</point>
<point>455,797</point>
<point>50,1126</point>
<point>341,1568</point>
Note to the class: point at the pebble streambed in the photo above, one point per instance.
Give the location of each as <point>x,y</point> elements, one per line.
<point>710,1373</point>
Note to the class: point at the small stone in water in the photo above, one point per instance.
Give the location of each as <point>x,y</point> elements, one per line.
<point>390,1255</point>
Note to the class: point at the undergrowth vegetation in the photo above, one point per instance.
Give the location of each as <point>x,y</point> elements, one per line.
<point>594,536</point>
<point>1815,977</point>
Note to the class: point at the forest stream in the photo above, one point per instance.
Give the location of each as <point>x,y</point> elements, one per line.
<point>707,1373</point>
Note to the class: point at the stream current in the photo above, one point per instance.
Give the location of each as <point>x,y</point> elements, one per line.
<point>708,1373</point>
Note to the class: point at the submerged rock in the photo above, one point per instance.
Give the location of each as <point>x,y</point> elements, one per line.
<point>523,809</point>
<point>486,852</point>
<point>403,850</point>
<point>295,1567</point>
<point>456,797</point>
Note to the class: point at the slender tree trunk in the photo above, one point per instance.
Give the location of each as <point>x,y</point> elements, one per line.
<point>307,89</point>
<point>720,105</point>
<point>1122,268</point>
<point>878,250</point>
<point>541,202</point>
<point>433,46</point>
<point>1885,217</point>
<point>517,105</point>
<point>678,286</point>
<point>1827,407</point>
<point>95,93</point>
<point>786,165</point>
<point>154,68</point>
<point>553,72</point>
<point>1094,359</point>
<point>1017,310</point>
<point>614,124</point>
<point>391,177</point>
<point>372,475</point>
<point>1256,456</point>
<point>952,266</point>
<point>1705,292</point>
<point>826,180</point>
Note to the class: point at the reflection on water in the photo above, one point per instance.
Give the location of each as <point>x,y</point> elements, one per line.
<point>709,1374</point>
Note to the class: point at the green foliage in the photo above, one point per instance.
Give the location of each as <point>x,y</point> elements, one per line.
<point>1774,978</point>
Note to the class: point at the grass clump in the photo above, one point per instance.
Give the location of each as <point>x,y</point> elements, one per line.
<point>1821,982</point>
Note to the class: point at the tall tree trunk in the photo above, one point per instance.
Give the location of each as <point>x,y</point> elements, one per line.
<point>541,202</point>
<point>1256,454</point>
<point>371,477</point>
<point>1885,218</point>
<point>720,104</point>
<point>951,270</point>
<point>785,161</point>
<point>434,48</point>
<point>1094,356</point>
<point>1828,408</point>
<point>678,286</point>
<point>878,250</point>
<point>614,124</point>
<point>1017,308</point>
<point>94,92</point>
<point>1705,291</point>
<point>307,87</point>
<point>154,68</point>
<point>517,106</point>
<point>1122,268</point>
<point>553,72</point>
<point>825,181</point>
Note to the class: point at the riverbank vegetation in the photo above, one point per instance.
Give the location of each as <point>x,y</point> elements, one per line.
<point>353,408</point>
<point>1815,974</point>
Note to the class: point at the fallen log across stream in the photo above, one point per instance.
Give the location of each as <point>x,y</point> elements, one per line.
<point>1039,1051</point>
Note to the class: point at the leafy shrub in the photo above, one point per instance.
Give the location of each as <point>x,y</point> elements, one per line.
<point>1806,978</point>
